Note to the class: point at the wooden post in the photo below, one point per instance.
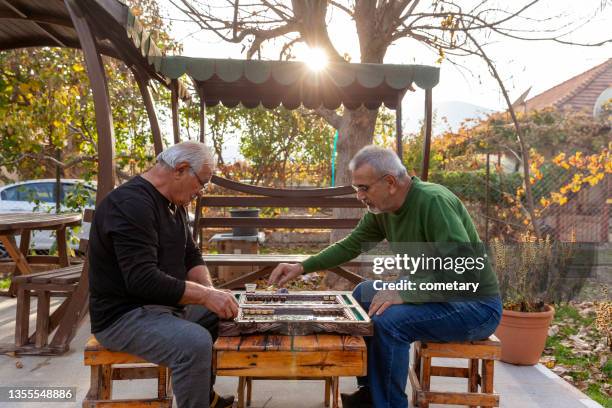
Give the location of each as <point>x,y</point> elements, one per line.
<point>176,130</point>
<point>99,87</point>
<point>42,317</point>
<point>143,82</point>
<point>62,247</point>
<point>427,141</point>
<point>78,306</point>
<point>22,320</point>
<point>202,118</point>
<point>398,127</point>
<point>487,198</point>
<point>198,210</point>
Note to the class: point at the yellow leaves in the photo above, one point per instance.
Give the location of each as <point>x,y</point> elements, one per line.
<point>593,179</point>
<point>440,56</point>
<point>447,22</point>
<point>558,159</point>
<point>136,11</point>
<point>608,166</point>
<point>544,202</point>
<point>576,160</point>
<point>78,67</point>
<point>558,198</point>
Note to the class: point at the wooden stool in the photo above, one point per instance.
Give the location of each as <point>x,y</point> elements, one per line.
<point>107,366</point>
<point>421,371</point>
<point>274,357</point>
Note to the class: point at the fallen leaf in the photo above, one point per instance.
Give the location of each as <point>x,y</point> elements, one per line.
<point>553,331</point>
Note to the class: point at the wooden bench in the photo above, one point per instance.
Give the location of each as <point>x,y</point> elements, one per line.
<point>266,262</point>
<point>274,357</point>
<point>264,197</point>
<point>107,366</point>
<point>421,371</point>
<point>44,286</point>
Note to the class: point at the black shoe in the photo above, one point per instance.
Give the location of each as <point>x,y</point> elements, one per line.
<point>359,399</point>
<point>218,401</point>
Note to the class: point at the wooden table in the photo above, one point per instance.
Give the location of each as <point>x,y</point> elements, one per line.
<point>267,262</point>
<point>12,224</point>
<point>320,356</point>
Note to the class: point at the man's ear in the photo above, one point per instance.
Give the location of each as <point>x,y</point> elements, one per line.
<point>182,167</point>
<point>391,181</point>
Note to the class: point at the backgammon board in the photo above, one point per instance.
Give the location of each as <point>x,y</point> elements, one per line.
<point>297,313</point>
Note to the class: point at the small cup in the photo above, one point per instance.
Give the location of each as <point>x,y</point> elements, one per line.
<point>250,287</point>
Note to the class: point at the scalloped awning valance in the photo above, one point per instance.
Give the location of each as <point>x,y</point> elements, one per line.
<point>272,83</point>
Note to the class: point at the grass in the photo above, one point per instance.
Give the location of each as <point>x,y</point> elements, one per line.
<point>5,283</point>
<point>580,368</point>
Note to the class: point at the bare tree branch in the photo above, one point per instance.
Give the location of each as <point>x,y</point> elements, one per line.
<point>524,149</point>
<point>330,116</point>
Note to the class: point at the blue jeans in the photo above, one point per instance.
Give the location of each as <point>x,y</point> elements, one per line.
<point>400,325</point>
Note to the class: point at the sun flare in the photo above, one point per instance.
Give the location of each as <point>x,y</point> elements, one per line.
<point>315,58</point>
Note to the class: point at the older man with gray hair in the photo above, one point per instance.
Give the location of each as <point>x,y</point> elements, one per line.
<point>407,212</point>
<point>151,294</point>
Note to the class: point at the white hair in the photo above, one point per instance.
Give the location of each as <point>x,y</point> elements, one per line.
<point>196,154</point>
<point>383,161</point>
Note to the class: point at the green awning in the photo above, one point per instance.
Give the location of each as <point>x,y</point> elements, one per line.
<point>271,83</point>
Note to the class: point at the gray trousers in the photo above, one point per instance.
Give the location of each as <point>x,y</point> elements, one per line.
<point>179,339</point>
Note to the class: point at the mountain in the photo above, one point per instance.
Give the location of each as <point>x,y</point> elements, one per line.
<point>455,113</point>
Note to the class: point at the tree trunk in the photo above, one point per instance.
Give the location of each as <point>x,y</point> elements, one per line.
<point>356,131</point>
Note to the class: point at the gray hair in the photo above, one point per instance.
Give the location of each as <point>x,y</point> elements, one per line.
<point>196,154</point>
<point>383,161</point>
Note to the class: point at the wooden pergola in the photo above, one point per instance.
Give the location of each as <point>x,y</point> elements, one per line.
<point>107,27</point>
<point>98,27</point>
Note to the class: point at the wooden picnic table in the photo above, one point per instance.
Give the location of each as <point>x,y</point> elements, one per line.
<point>267,262</point>
<point>12,224</point>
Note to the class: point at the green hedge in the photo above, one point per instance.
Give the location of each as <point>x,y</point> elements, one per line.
<point>471,186</point>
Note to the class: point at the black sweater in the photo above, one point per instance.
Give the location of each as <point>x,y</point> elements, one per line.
<point>140,251</point>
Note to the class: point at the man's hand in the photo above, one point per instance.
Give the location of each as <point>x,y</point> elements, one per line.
<point>285,272</point>
<point>220,302</point>
<point>382,300</point>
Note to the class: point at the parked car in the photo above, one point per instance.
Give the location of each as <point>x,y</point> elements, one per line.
<point>39,195</point>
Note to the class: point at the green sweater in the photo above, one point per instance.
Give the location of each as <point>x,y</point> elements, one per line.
<point>430,213</point>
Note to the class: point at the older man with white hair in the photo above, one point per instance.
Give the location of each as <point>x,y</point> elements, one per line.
<point>408,213</point>
<point>151,294</point>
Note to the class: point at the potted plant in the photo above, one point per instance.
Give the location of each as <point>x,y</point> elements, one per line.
<point>533,274</point>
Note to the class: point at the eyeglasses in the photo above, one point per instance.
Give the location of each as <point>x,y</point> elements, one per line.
<point>365,187</point>
<point>203,183</point>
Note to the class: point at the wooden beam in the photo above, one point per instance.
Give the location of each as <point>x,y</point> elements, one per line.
<point>280,192</point>
<point>302,222</point>
<point>202,120</point>
<point>427,141</point>
<point>78,306</point>
<point>45,28</point>
<point>143,82</point>
<point>176,130</point>
<point>398,127</point>
<point>281,202</point>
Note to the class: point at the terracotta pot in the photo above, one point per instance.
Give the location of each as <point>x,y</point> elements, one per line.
<point>523,335</point>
